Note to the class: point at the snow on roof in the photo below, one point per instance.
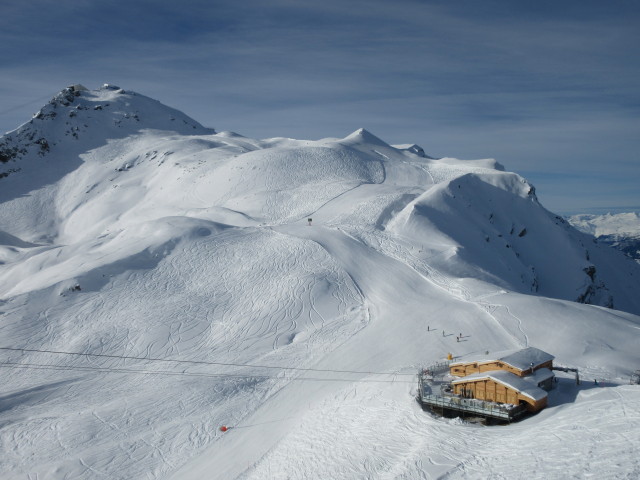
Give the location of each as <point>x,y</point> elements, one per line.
<point>522,385</point>
<point>540,375</point>
<point>521,359</point>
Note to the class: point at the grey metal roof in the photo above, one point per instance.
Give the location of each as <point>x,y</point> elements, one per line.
<point>521,359</point>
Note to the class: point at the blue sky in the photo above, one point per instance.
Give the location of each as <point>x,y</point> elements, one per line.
<point>548,88</point>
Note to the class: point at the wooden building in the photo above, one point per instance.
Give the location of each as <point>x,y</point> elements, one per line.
<point>503,387</point>
<point>518,362</point>
<point>516,377</point>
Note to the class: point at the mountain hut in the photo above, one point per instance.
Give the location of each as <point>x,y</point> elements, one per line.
<point>504,387</point>
<point>518,362</point>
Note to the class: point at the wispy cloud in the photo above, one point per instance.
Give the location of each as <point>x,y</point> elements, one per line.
<point>543,86</point>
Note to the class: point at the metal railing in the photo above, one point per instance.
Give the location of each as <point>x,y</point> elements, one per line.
<point>485,409</point>
<point>469,405</point>
<point>436,368</point>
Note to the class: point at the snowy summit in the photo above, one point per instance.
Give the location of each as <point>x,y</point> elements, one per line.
<point>181,303</point>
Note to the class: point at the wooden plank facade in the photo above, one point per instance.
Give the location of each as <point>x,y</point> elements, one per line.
<point>494,391</point>
<point>464,369</point>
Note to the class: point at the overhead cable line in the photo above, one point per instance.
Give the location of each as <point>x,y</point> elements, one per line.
<point>200,362</point>
<point>40,366</point>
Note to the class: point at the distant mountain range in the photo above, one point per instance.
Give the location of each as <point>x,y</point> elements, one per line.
<point>621,231</point>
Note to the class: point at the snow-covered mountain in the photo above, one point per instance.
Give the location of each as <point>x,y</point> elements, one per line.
<point>627,224</point>
<point>300,278</point>
<point>621,231</point>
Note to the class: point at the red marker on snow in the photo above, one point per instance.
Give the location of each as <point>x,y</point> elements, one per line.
<point>224,428</point>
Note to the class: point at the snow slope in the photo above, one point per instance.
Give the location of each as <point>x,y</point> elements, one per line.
<point>156,238</point>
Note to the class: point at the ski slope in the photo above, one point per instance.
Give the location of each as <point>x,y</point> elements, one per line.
<point>158,238</point>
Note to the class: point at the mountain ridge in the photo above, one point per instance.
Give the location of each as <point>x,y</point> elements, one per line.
<point>277,181</point>
<point>307,281</point>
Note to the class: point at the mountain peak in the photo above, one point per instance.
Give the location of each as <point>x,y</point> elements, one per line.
<point>364,136</point>
<point>84,119</point>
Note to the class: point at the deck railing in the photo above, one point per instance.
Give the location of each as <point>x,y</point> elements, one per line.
<point>469,405</point>
<point>436,368</point>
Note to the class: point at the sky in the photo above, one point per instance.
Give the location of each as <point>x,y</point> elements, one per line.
<point>548,88</point>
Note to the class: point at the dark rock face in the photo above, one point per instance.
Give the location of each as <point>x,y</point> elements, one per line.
<point>29,137</point>
<point>9,152</point>
<point>591,271</point>
<point>77,120</point>
<point>595,292</point>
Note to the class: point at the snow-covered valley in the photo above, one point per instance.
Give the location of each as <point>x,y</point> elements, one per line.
<point>290,290</point>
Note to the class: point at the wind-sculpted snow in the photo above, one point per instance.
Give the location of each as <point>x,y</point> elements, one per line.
<point>393,438</point>
<point>306,282</point>
<point>201,300</point>
<point>503,236</point>
<point>285,184</point>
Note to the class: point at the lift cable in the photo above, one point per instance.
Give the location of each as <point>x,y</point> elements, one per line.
<point>202,362</point>
<point>39,366</point>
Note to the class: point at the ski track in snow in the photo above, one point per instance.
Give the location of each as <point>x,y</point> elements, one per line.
<point>195,247</point>
<point>394,249</point>
<point>295,290</point>
<point>367,432</point>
